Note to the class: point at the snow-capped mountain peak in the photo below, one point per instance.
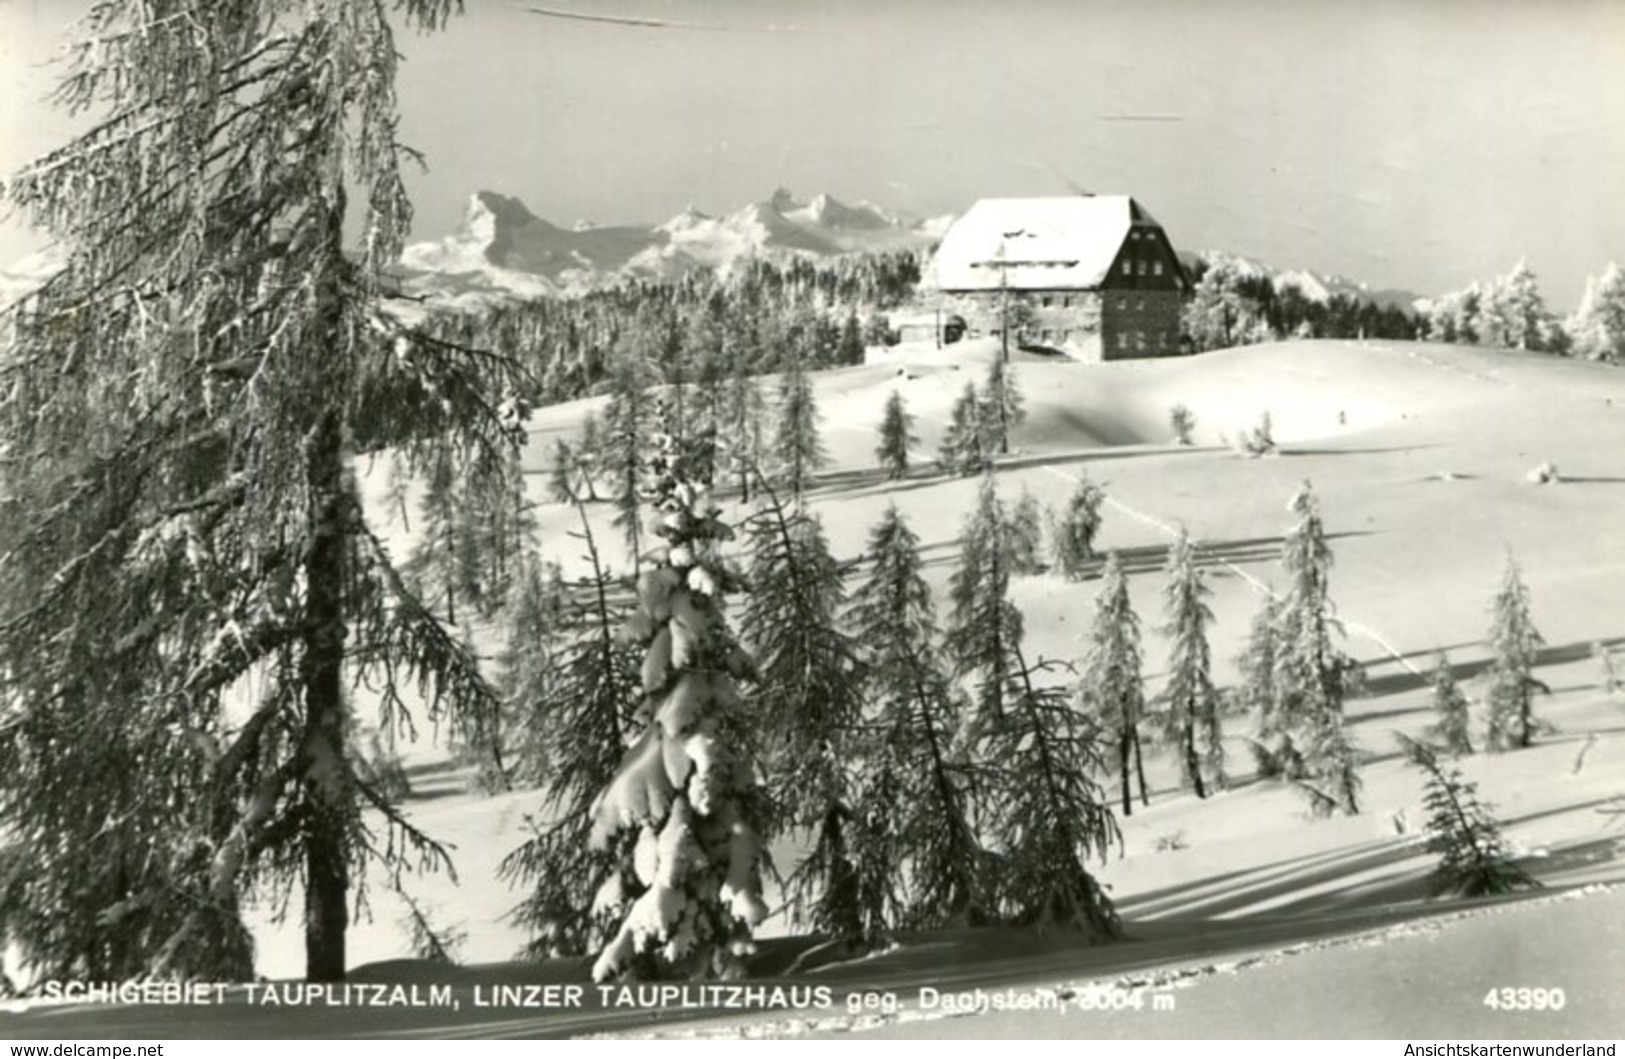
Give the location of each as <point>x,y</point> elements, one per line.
<point>503,249</point>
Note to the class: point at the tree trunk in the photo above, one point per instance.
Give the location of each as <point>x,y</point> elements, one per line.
<point>1123,760</point>
<point>1193,761</point>
<point>327,881</point>
<point>325,775</point>
<point>1139,766</point>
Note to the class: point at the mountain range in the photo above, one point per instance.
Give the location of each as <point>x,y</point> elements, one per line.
<point>505,250</point>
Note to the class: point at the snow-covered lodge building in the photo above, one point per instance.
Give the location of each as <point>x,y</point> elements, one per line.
<point>1094,274</point>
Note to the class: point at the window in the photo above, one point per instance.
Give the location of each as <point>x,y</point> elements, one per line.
<point>1156,266</point>
<point>1128,267</point>
<point>1048,301</point>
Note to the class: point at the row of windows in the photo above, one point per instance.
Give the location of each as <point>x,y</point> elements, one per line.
<point>1142,341</point>
<point>1124,301</point>
<point>1136,267</point>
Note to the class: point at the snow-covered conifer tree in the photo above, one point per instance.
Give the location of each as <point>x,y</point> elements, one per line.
<point>1515,645</point>
<point>627,429</point>
<point>1312,676</point>
<point>1000,409</point>
<point>810,703</point>
<point>1450,706</point>
<point>984,627</point>
<point>1597,329</point>
<point>1273,753</point>
<point>1050,815</point>
<point>849,347</point>
<point>1474,859</point>
<point>185,402</point>
<point>918,799</point>
<point>798,451</point>
<point>896,436</point>
<point>1512,313</point>
<point>687,785</point>
<point>1190,703</point>
<point>960,451</point>
<point>571,682</point>
<point>1026,536</point>
<point>1112,689</point>
<point>1075,528</point>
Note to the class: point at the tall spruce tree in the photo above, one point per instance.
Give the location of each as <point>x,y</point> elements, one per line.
<point>1515,646</point>
<point>1049,812</point>
<point>1190,703</point>
<point>1312,676</point>
<point>1000,409</point>
<point>896,437</point>
<point>1112,689</point>
<point>809,704</point>
<point>961,450</point>
<point>183,402</point>
<point>1074,530</point>
<point>919,797</point>
<point>984,627</point>
<point>570,680</point>
<point>797,448</point>
<point>628,427</point>
<point>686,787</point>
<point>1256,694</point>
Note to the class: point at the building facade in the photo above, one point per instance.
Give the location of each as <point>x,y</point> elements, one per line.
<point>1092,275</point>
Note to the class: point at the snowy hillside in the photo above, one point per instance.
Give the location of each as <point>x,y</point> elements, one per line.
<point>1255,919</point>
<point>503,249</point>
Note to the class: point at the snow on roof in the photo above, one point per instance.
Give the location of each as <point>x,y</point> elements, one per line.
<point>1036,244</point>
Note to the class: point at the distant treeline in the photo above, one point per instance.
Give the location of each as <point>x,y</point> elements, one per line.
<point>752,321</point>
<point>1232,308</point>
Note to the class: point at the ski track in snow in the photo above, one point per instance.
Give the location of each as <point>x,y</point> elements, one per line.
<point>1258,586</point>
<point>1140,983</point>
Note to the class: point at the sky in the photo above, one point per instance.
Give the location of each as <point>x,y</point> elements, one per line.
<point>1417,144</point>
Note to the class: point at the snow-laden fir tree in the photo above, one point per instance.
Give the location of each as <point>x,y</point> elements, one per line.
<point>1513,314</point>
<point>1026,535</point>
<point>571,681</point>
<point>1049,813</point>
<point>961,450</point>
<point>1112,690</point>
<point>896,437</point>
<point>1189,707</point>
<point>1256,694</point>
<point>184,401</point>
<point>687,785</point>
<point>1514,647</point>
<point>798,451</point>
<point>984,626</point>
<point>1450,728</point>
<point>1000,409</point>
<point>849,347</point>
<point>1474,859</point>
<point>1597,328</point>
<point>528,664</point>
<point>627,431</point>
<point>1312,676</point>
<point>918,801</point>
<point>435,567</point>
<point>809,704</point>
<point>1074,529</point>
<point>741,434</point>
